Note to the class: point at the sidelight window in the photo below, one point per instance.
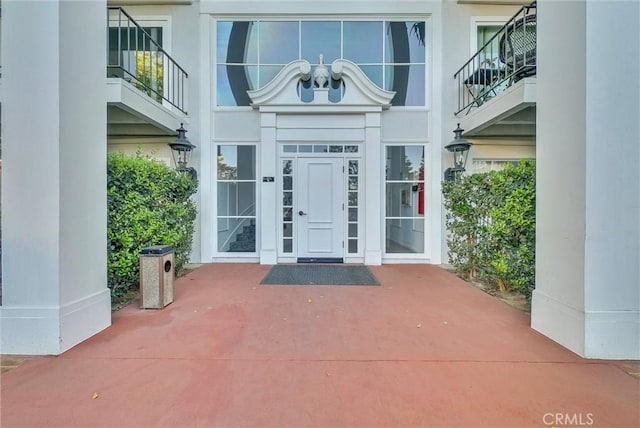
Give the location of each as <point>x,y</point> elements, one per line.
<point>404,199</point>
<point>236,188</point>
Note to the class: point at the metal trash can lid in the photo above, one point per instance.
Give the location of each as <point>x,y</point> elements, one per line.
<point>157,250</point>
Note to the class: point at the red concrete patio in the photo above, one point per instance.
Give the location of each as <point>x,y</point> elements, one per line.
<point>422,349</point>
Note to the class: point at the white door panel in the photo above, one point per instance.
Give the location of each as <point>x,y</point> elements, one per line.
<point>320,209</point>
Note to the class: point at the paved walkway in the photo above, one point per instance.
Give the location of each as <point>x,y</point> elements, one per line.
<point>422,349</point>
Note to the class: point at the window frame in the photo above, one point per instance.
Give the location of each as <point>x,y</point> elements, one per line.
<point>426,64</point>
<point>483,21</point>
<point>228,218</point>
<point>423,219</point>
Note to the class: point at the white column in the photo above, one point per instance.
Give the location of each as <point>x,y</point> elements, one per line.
<point>268,191</point>
<point>374,184</point>
<point>588,182</point>
<point>54,175</point>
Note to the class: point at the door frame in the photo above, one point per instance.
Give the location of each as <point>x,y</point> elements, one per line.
<point>357,154</point>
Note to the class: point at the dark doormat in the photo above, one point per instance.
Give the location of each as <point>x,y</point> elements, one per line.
<point>319,275</point>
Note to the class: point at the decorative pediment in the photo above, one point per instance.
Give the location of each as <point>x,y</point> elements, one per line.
<point>283,89</point>
<point>358,89</point>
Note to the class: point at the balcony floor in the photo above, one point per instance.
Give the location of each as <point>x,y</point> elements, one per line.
<point>131,112</point>
<point>511,113</point>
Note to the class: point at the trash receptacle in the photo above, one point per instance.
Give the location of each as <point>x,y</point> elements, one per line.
<point>156,277</point>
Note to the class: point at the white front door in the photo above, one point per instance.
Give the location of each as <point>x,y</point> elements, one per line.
<point>320,210</point>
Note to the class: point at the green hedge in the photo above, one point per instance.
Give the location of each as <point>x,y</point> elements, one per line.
<point>490,222</point>
<point>148,204</point>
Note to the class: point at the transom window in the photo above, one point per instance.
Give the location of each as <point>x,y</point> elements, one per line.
<point>250,53</point>
<point>319,148</point>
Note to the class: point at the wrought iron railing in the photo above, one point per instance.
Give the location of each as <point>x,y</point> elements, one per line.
<point>134,55</point>
<point>505,58</point>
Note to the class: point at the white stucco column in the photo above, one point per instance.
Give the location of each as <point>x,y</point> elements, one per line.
<point>54,291</point>
<point>268,190</point>
<point>373,193</point>
<point>588,180</point>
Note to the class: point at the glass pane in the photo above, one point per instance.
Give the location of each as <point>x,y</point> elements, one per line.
<point>287,214</point>
<point>278,42</point>
<point>353,245</point>
<point>351,149</point>
<point>305,90</point>
<point>335,149</point>
<point>251,41</point>
<point>223,30</point>
<point>404,42</point>
<point>320,149</point>
<point>287,183</point>
<point>396,200</point>
<point>353,183</point>
<point>287,230</point>
<point>224,95</point>
<point>363,42</point>
<point>353,166</point>
<point>289,148</point>
<point>402,237</point>
<point>353,214</point>
<point>322,37</point>
<point>305,148</point>
<point>236,235</point>
<point>485,33</point>
<point>251,71</point>
<point>232,84</point>
<point>267,73</point>
<point>227,163</point>
<point>408,81</point>
<point>287,167</point>
<point>353,230</point>
<point>403,201</point>
<point>236,42</point>
<point>236,199</point>
<point>287,246</point>
<point>287,199</point>
<point>226,198</point>
<point>374,73</point>
<point>353,199</point>
<point>236,162</point>
<point>336,89</point>
<point>404,162</point>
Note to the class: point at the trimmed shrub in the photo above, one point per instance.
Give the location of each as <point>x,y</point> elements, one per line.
<point>491,226</point>
<point>148,204</point>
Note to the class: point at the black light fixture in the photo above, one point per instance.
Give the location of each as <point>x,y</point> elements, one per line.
<point>459,148</point>
<point>181,150</point>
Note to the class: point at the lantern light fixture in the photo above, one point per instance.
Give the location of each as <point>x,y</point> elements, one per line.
<point>181,150</point>
<point>459,148</point>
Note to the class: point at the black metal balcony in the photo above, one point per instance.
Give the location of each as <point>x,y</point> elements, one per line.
<point>497,66</point>
<point>135,56</point>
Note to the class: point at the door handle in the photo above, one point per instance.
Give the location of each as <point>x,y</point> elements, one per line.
<point>302,212</point>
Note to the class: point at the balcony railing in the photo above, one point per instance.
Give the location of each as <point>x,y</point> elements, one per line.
<point>507,57</point>
<point>135,56</point>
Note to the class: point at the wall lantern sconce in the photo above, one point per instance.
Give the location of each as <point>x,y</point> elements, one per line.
<point>181,150</point>
<point>459,148</point>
